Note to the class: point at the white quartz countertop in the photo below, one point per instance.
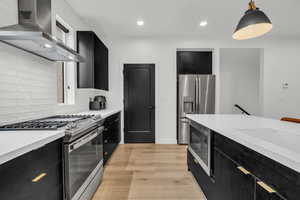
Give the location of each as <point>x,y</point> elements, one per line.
<point>17,143</point>
<point>103,113</point>
<point>272,138</point>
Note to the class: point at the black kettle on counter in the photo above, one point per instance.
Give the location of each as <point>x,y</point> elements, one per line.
<point>99,103</point>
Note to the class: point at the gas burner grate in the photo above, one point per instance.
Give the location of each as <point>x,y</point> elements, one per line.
<point>33,125</point>
<point>49,123</point>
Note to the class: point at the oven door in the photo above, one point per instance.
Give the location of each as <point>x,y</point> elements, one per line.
<point>82,158</point>
<point>200,145</point>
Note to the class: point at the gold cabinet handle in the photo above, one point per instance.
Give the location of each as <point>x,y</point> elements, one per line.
<point>242,169</point>
<point>266,187</point>
<point>39,177</point>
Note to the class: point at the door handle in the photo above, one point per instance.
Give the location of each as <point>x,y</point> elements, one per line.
<point>242,169</point>
<point>266,187</point>
<point>39,177</point>
<point>151,107</point>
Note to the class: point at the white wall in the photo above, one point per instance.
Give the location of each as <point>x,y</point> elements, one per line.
<point>240,80</point>
<point>280,64</point>
<point>28,83</point>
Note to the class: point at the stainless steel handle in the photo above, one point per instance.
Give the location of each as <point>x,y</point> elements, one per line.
<point>185,121</point>
<point>199,94</point>
<point>151,107</point>
<point>85,139</point>
<point>196,95</point>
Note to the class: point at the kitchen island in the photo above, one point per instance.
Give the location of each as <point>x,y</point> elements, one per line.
<point>249,157</point>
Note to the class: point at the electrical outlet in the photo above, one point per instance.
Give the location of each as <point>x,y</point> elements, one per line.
<point>285,86</point>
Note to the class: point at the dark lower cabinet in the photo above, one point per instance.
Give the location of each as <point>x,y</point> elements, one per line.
<point>204,181</point>
<point>36,175</point>
<point>262,194</point>
<point>111,135</point>
<point>240,173</point>
<point>230,182</point>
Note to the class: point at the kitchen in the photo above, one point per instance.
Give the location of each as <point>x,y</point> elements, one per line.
<point>31,88</point>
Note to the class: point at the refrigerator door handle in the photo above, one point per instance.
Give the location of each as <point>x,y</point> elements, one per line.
<point>198,88</point>
<point>196,95</point>
<point>200,96</point>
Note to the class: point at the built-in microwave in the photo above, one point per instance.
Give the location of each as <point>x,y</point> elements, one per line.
<point>200,145</point>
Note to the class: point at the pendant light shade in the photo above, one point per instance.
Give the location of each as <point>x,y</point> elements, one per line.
<point>253,24</point>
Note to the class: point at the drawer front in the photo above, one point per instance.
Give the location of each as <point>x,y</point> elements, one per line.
<point>284,180</point>
<point>48,178</point>
<point>47,156</point>
<point>262,194</point>
<point>31,175</point>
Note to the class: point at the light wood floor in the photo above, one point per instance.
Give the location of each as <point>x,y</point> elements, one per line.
<point>146,172</point>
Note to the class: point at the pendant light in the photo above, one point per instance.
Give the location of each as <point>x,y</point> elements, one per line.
<point>253,24</point>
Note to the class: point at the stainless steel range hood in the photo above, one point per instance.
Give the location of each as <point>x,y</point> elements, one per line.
<point>33,33</point>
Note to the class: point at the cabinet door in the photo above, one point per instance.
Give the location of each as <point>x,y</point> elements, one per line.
<point>111,135</point>
<point>31,175</point>
<point>107,145</point>
<point>194,62</point>
<point>205,182</point>
<point>101,65</point>
<point>263,194</point>
<point>116,129</point>
<point>231,182</point>
<point>85,70</point>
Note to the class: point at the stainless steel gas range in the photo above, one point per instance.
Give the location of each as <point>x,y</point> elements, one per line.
<point>83,150</point>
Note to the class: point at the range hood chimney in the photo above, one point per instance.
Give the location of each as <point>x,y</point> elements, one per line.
<point>33,33</point>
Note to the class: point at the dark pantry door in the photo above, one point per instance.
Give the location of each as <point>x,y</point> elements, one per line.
<point>139,103</point>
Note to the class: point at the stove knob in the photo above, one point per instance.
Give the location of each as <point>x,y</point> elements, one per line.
<point>73,125</point>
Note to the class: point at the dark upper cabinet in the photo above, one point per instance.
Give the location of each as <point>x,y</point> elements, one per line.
<point>194,62</point>
<point>94,72</point>
<point>230,182</point>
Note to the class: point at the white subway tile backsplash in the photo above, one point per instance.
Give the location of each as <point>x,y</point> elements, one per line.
<point>28,83</point>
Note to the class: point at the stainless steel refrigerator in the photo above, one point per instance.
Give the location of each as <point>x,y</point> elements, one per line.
<point>196,95</point>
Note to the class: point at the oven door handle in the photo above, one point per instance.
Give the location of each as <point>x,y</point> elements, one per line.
<point>75,145</point>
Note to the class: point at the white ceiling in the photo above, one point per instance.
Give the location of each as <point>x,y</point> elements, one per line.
<point>171,18</point>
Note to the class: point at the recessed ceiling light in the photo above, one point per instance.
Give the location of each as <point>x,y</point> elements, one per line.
<point>203,23</point>
<point>47,46</point>
<point>140,23</point>
<point>71,57</point>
